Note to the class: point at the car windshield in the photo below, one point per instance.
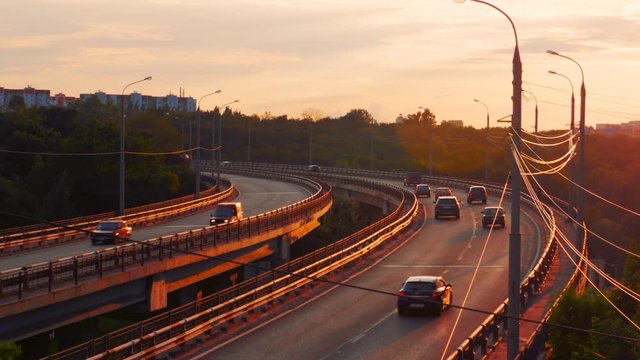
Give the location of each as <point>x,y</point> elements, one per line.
<point>446,201</point>
<point>492,211</point>
<point>422,187</point>
<point>226,212</point>
<point>107,226</point>
<point>419,286</point>
<point>444,191</point>
<point>477,190</point>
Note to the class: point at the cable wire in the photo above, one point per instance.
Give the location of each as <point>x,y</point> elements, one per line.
<point>618,310</point>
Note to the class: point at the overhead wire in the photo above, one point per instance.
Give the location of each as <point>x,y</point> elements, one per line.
<point>620,248</point>
<point>575,250</point>
<point>540,205</point>
<point>44,153</point>
<point>332,282</point>
<point>549,137</point>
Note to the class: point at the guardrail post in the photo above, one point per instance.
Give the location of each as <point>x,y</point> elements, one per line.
<point>75,269</point>
<point>100,264</point>
<point>20,280</point>
<point>122,259</point>
<point>171,246</point>
<point>141,254</point>
<point>50,275</point>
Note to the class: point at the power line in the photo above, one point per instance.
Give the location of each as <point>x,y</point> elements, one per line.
<point>177,152</point>
<point>338,283</point>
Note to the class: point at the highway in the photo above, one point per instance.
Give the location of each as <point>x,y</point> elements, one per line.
<point>347,323</point>
<point>257,196</point>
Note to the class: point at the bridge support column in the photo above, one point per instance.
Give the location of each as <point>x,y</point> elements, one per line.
<point>157,293</point>
<point>189,293</point>
<point>285,249</point>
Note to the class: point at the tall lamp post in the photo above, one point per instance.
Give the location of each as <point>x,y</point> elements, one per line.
<point>220,139</point>
<point>535,126</point>
<point>581,145</point>
<point>572,165</point>
<point>196,194</point>
<point>513,331</point>
<point>430,127</point>
<point>121,177</point>
<point>486,150</point>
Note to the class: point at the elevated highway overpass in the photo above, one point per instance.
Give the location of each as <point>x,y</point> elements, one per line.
<point>436,245</point>
<point>45,288</point>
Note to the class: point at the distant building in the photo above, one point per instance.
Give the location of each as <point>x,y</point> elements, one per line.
<point>30,96</point>
<point>458,123</point>
<point>631,128</point>
<point>146,102</point>
<point>42,98</point>
<point>61,100</point>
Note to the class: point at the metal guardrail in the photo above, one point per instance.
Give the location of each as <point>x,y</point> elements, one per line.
<point>160,333</point>
<point>28,231</point>
<point>13,243</point>
<point>15,284</point>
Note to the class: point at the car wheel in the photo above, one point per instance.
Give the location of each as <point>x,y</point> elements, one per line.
<point>484,201</point>
<point>450,300</point>
<point>458,216</point>
<point>402,312</point>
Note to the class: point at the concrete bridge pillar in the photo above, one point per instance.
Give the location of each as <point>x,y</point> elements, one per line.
<point>157,293</point>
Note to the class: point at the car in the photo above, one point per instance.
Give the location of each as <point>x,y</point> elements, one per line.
<point>423,190</point>
<point>477,193</point>
<point>442,191</point>
<point>412,179</point>
<point>313,168</point>
<point>226,212</point>
<point>110,231</point>
<point>424,294</point>
<point>447,206</point>
<point>491,212</point>
<point>225,163</point>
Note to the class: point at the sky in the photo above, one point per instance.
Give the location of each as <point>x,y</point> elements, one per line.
<point>326,57</point>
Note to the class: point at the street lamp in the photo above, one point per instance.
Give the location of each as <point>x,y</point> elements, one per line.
<point>516,184</point>
<point>572,165</point>
<point>196,194</point>
<point>581,145</point>
<point>220,141</point>
<point>535,127</point>
<point>121,177</point>
<point>430,128</point>
<point>486,150</point>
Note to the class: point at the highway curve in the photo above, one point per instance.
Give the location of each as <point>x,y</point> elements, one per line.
<point>257,196</point>
<point>346,323</point>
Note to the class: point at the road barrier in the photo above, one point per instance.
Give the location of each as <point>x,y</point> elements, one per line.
<point>16,284</point>
<point>78,229</point>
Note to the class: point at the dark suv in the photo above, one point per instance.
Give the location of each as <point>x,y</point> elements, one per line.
<point>424,293</point>
<point>447,206</point>
<point>491,212</point>
<point>477,193</point>
<point>412,179</point>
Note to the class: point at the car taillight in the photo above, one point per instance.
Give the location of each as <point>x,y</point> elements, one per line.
<point>401,293</point>
<point>435,295</point>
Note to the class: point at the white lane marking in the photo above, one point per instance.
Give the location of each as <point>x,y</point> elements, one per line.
<point>474,234</point>
<point>442,266</point>
<point>356,338</point>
